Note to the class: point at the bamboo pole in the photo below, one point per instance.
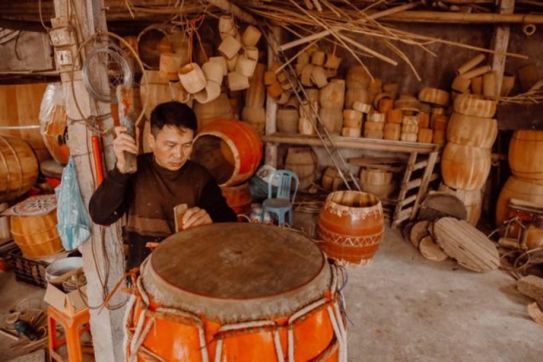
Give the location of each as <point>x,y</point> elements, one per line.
<point>462,18</point>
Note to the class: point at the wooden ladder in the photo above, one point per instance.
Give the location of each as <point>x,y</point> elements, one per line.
<point>408,206</point>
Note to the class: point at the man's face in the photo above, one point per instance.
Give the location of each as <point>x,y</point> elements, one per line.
<point>172,146</point>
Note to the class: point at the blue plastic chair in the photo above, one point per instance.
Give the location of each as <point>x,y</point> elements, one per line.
<point>281,204</point>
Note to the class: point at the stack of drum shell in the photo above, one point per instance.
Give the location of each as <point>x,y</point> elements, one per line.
<point>374,126</point>
<point>526,162</point>
<point>466,159</point>
<point>432,127</point>
<point>410,128</point>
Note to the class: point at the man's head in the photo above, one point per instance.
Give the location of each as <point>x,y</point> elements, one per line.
<point>173,125</point>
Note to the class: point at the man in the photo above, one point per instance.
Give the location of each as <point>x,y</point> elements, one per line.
<point>164,179</point>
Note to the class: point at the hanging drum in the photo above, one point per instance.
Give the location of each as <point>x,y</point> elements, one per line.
<point>236,292</point>
<point>230,150</point>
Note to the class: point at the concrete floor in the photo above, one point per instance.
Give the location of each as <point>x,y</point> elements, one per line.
<point>406,308</point>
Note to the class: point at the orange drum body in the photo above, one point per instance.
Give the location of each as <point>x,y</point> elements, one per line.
<point>351,226</point>
<point>232,304</point>
<point>231,151</point>
<point>238,198</point>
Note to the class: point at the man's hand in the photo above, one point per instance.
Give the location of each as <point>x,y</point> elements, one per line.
<point>121,144</point>
<point>195,217</point>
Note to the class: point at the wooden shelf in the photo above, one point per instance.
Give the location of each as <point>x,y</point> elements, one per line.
<point>354,143</point>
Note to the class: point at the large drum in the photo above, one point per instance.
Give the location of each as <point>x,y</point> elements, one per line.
<point>236,292</point>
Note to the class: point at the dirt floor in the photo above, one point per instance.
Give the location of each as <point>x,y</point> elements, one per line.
<point>405,308</point>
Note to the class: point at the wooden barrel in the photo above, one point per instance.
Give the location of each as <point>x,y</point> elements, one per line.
<point>465,167</point>
<point>231,150</point>
<point>351,226</point>
<point>18,168</point>
<point>219,108</point>
<point>19,115</point>
<point>377,182</point>
<point>35,232</point>
<point>287,120</point>
<point>472,200</point>
<point>526,154</point>
<point>517,188</point>
<point>472,131</point>
<point>238,198</point>
<point>303,162</point>
<point>331,181</point>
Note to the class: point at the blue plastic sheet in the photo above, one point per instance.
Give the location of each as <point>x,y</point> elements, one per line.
<point>74,226</point>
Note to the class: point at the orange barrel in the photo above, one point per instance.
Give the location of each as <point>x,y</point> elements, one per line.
<point>238,198</point>
<point>33,224</point>
<point>526,154</point>
<point>264,294</point>
<point>19,114</point>
<point>351,226</point>
<point>18,168</point>
<point>231,151</point>
<point>465,167</point>
<point>517,188</point>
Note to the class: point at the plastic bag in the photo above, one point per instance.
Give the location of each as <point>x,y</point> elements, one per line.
<point>74,226</point>
<point>54,122</point>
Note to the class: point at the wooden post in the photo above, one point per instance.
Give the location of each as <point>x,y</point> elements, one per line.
<point>103,259</point>
<point>271,105</point>
<point>500,44</point>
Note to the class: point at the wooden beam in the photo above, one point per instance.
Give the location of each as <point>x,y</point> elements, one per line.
<point>271,106</point>
<point>103,258</point>
<point>355,143</point>
<point>500,44</point>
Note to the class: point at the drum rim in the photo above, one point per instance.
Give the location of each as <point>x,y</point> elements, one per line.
<point>234,309</point>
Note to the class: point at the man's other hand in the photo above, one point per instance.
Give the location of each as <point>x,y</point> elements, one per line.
<point>195,217</point>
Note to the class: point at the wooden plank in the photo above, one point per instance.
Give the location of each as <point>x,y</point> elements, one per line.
<point>501,43</point>
<point>401,216</point>
<point>420,165</point>
<point>403,186</point>
<point>417,182</point>
<point>463,242</point>
<point>424,183</point>
<point>354,143</point>
<point>408,200</point>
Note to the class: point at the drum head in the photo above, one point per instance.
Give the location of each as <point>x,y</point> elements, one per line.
<point>263,269</point>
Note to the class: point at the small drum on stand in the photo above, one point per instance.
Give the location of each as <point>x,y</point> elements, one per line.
<point>237,292</point>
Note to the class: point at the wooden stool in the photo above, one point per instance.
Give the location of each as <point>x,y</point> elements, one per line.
<point>73,327</point>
